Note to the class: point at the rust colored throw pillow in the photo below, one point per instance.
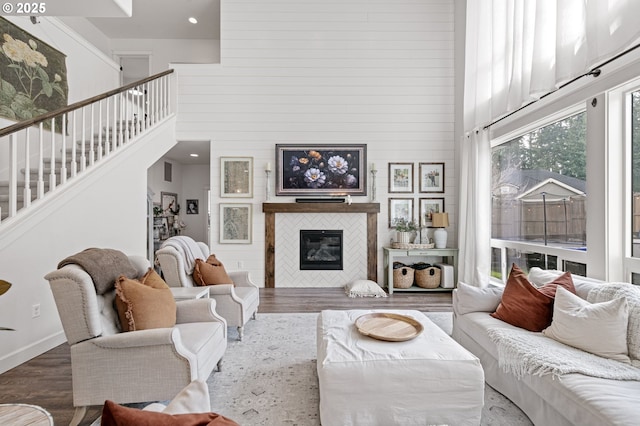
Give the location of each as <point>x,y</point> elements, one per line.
<point>152,279</point>
<point>525,306</point>
<point>563,280</point>
<point>144,304</point>
<point>210,272</point>
<point>114,414</point>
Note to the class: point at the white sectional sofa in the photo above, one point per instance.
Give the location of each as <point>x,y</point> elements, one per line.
<point>570,399</point>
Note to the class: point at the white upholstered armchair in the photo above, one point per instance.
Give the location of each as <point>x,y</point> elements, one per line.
<point>237,304</point>
<point>134,366</point>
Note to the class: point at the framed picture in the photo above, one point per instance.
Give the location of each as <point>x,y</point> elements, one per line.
<point>401,177</point>
<point>428,206</point>
<point>169,203</point>
<point>431,177</point>
<point>321,169</point>
<point>192,206</point>
<point>400,208</point>
<point>235,223</point>
<point>236,177</point>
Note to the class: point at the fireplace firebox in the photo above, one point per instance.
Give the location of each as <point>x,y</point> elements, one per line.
<point>320,249</point>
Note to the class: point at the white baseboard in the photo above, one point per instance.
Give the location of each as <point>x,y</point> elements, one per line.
<point>31,351</point>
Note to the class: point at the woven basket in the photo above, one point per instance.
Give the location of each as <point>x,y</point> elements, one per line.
<point>402,275</point>
<point>428,277</point>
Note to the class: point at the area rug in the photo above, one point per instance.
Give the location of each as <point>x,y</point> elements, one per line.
<point>270,377</point>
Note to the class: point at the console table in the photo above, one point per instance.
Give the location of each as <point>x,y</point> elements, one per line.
<point>448,255</point>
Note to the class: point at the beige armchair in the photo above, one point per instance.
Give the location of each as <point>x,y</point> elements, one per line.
<point>135,366</point>
<point>237,304</point>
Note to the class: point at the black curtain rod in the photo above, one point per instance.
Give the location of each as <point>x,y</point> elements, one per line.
<point>595,72</point>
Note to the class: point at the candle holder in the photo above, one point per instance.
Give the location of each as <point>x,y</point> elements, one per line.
<point>268,188</point>
<point>373,184</point>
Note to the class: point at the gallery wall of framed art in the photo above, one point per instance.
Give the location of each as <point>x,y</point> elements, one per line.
<point>430,179</point>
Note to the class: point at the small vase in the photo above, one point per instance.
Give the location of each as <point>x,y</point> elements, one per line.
<point>403,237</point>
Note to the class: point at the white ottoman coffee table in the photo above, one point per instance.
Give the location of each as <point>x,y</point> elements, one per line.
<point>429,380</point>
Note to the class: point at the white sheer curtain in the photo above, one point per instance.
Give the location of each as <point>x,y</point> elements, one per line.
<point>516,51</point>
<point>474,230</point>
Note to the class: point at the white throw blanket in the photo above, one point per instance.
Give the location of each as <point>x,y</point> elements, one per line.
<point>524,353</point>
<point>189,249</point>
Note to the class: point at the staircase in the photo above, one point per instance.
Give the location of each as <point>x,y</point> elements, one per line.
<point>35,161</point>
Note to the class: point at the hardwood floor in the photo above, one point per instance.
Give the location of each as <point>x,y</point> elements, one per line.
<point>46,379</point>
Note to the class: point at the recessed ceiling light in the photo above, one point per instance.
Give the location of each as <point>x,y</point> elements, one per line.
<point>193,20</point>
<point>193,155</point>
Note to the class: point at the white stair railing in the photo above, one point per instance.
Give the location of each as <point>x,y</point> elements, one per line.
<point>76,137</point>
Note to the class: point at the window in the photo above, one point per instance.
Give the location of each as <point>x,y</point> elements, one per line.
<point>635,174</point>
<point>538,192</point>
<point>539,185</point>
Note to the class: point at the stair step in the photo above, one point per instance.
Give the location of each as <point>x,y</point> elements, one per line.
<point>45,173</point>
<point>4,198</point>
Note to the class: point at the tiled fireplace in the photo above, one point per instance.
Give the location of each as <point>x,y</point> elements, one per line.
<point>283,224</point>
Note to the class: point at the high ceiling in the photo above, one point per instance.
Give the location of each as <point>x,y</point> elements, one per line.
<point>165,19</point>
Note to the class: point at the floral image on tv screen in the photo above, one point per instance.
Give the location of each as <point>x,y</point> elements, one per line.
<point>321,169</point>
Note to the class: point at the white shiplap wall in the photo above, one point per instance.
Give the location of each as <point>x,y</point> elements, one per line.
<point>379,72</point>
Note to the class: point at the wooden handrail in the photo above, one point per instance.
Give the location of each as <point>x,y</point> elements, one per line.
<point>28,123</point>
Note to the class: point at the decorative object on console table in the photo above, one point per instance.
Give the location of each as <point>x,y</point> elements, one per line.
<point>404,230</point>
<point>401,178</point>
<point>321,169</point>
<point>236,180</point>
<point>440,221</point>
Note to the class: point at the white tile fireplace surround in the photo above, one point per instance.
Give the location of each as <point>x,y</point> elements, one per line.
<point>287,258</point>
<point>283,222</point>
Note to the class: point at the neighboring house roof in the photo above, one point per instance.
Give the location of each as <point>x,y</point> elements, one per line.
<point>549,190</point>
<point>517,183</point>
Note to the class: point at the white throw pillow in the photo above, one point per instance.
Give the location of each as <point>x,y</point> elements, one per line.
<point>364,288</point>
<point>598,328</point>
<point>470,298</point>
<point>539,277</point>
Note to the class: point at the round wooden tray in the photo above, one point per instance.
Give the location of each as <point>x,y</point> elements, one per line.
<point>388,327</point>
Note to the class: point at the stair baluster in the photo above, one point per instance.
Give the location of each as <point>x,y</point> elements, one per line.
<point>121,116</point>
